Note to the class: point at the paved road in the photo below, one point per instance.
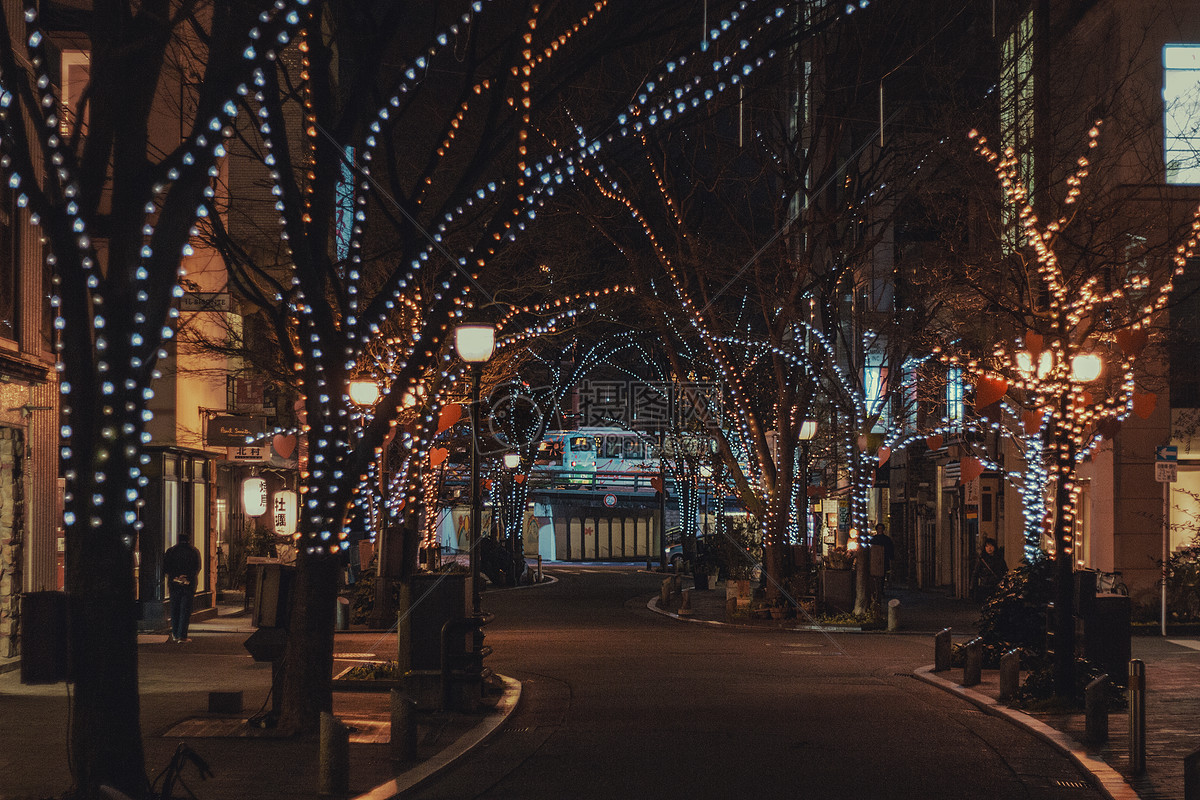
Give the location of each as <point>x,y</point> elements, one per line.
<point>620,702</point>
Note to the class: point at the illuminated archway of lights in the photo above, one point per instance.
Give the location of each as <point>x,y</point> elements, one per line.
<point>329,345</point>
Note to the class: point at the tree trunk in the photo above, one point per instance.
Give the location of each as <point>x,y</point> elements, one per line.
<point>105,735</point>
<point>308,660</point>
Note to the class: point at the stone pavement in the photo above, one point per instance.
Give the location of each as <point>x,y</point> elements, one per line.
<point>1172,691</point>
<point>175,680</point>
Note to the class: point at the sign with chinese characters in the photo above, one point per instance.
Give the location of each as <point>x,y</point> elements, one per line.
<point>648,406</point>
<point>283,513</point>
<point>246,454</point>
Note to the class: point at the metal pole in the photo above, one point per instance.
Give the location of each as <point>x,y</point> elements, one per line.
<point>1166,551</point>
<point>476,501</point>
<point>1137,716</point>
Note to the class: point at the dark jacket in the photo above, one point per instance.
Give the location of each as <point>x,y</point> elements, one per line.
<point>985,577</point>
<point>181,560</point>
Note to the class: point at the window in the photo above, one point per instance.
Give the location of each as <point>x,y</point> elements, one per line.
<point>1181,113</point>
<point>581,444</point>
<point>954,396</point>
<point>1016,115</point>
<point>10,283</point>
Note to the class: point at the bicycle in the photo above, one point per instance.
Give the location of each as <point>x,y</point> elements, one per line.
<point>1111,583</point>
<point>163,786</point>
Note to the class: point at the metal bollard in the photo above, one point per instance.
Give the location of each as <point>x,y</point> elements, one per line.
<point>685,609</point>
<point>1010,674</point>
<point>893,615</point>
<point>539,572</point>
<point>342,619</point>
<point>941,650</point>
<point>664,593</point>
<point>1191,776</point>
<point>1095,714</point>
<point>1137,716</point>
<point>973,669</point>
<point>676,584</point>
<point>403,738</point>
<point>333,769</point>
<point>730,608</point>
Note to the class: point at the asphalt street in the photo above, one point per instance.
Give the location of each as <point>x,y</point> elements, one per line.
<point>620,702</point>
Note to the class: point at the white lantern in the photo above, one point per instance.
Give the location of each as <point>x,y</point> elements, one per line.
<point>512,460</point>
<point>283,513</point>
<point>1086,367</point>
<point>808,429</point>
<point>254,496</point>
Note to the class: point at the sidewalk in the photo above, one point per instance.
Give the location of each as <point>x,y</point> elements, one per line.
<point>246,762</point>
<point>1172,691</point>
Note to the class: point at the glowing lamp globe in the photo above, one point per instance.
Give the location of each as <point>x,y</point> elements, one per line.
<point>475,343</point>
<point>808,429</point>
<point>1086,367</point>
<point>512,460</point>
<point>363,392</point>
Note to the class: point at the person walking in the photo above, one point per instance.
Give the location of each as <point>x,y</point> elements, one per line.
<point>990,567</point>
<point>881,539</point>
<point>181,563</point>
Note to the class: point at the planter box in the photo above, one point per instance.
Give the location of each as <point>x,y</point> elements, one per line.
<point>739,589</point>
<point>837,588</point>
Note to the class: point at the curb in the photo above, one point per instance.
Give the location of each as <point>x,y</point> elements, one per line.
<point>461,746</point>
<point>652,605</point>
<point>1104,777</point>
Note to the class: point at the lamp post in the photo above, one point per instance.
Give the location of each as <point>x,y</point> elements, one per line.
<point>1056,376</point>
<point>474,344</point>
<point>365,393</point>
<point>808,429</point>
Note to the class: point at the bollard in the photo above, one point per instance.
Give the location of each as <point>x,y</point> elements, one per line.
<point>941,651</point>
<point>730,608</point>
<point>342,619</point>
<point>664,593</point>
<point>1191,776</point>
<point>893,614</point>
<point>676,584</point>
<point>404,727</point>
<point>539,572</point>
<point>333,769</point>
<point>1137,716</point>
<point>685,609</point>
<point>1095,713</point>
<point>1010,674</point>
<point>973,669</point>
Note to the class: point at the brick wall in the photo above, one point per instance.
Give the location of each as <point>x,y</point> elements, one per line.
<point>12,527</point>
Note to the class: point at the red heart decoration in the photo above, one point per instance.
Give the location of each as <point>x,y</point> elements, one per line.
<point>1143,404</point>
<point>284,445</point>
<point>934,442</point>
<point>1131,341</point>
<point>884,454</point>
<point>988,390</point>
<point>969,469</point>
<point>1034,343</point>
<point>1109,427</point>
<point>437,455</point>
<point>1031,421</point>
<point>448,416</point>
<point>519,477</point>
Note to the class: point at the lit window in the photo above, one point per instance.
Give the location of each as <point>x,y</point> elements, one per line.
<point>954,396</point>
<point>1181,113</point>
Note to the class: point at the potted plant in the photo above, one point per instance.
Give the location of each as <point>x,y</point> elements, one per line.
<point>837,578</point>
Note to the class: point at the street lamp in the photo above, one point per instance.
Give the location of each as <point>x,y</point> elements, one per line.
<point>364,393</point>
<point>474,344</point>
